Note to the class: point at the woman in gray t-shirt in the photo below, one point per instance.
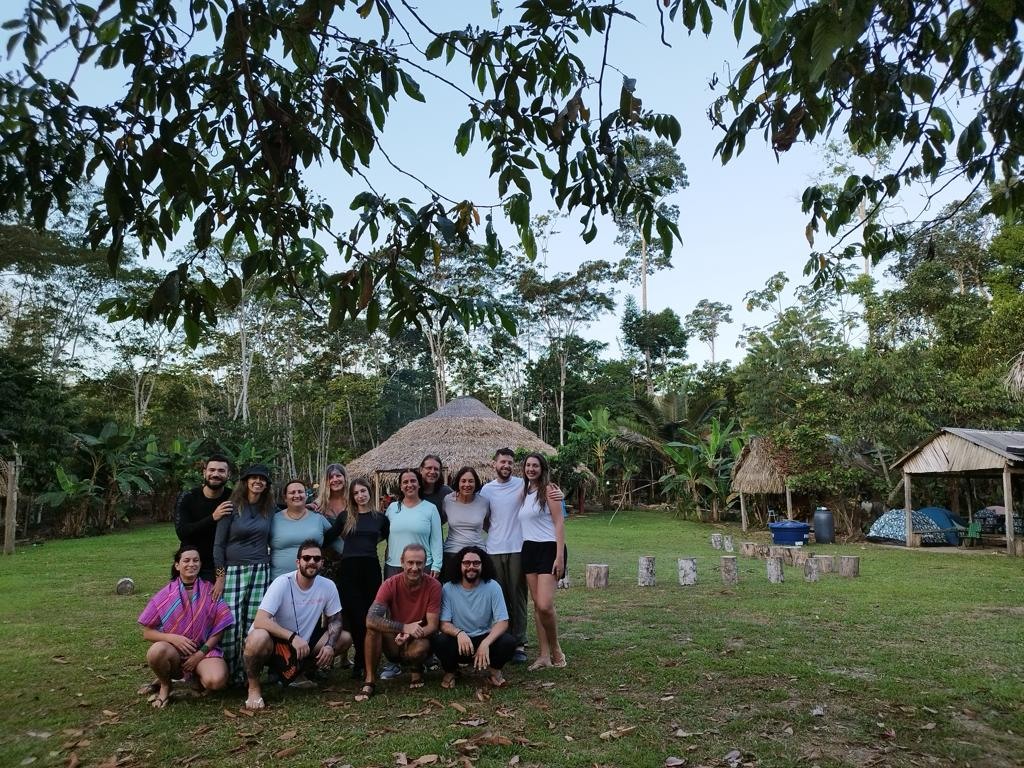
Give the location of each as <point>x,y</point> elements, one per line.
<point>468,517</point>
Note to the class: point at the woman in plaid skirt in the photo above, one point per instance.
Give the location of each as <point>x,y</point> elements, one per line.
<point>241,553</point>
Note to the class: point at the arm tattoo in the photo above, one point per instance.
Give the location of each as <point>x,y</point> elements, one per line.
<point>333,629</point>
<point>377,618</point>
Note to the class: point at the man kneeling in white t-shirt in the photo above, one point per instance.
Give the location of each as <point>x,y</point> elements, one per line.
<point>288,634</point>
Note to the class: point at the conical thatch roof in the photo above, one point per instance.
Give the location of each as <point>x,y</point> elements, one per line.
<point>758,469</point>
<point>463,432</point>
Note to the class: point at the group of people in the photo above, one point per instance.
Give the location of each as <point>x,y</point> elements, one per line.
<point>290,584</point>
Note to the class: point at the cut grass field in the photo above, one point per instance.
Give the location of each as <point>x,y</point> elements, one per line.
<point>917,662</point>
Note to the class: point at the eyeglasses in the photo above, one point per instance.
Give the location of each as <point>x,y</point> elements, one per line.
<point>477,563</point>
<point>312,558</point>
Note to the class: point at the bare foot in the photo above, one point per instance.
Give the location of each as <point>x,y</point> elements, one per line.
<point>254,702</point>
<point>496,679</point>
<point>415,680</point>
<point>540,663</point>
<point>162,697</point>
<point>558,660</point>
<point>448,681</point>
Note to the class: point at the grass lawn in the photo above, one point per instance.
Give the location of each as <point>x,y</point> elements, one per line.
<point>917,662</point>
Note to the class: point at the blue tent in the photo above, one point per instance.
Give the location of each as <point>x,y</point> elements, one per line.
<point>947,521</point>
<point>891,526</point>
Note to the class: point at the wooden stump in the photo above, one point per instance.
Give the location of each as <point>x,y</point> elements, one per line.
<point>125,586</point>
<point>730,573</point>
<point>826,563</point>
<point>716,541</point>
<point>687,571</point>
<point>776,551</point>
<point>761,551</point>
<point>849,566</point>
<point>645,571</point>
<point>773,565</point>
<point>727,544</point>
<point>597,576</point>
<point>800,556</point>
<point>811,570</point>
<point>748,549</point>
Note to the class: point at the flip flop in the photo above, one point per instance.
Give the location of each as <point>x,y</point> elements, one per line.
<point>416,680</point>
<point>541,663</point>
<point>448,681</point>
<point>254,704</point>
<point>561,663</point>
<point>366,692</point>
<point>160,702</point>
<point>499,683</point>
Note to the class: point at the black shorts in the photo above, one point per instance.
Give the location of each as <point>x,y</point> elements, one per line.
<point>538,556</point>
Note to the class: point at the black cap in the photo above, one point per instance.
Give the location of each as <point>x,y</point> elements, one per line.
<point>257,470</point>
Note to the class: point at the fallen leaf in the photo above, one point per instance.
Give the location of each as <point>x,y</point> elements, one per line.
<point>930,711</point>
<point>281,754</point>
<point>788,730</point>
<point>928,727</point>
<point>618,733</point>
<point>668,697</point>
<point>482,695</point>
<point>547,685</point>
<point>60,660</point>
<point>475,722</point>
<point>334,762</point>
<point>73,761</point>
<point>39,734</point>
<point>458,707</point>
<point>29,760</point>
<point>818,711</point>
<point>733,758</point>
<point>674,762</point>
<point>401,758</point>
<point>230,715</point>
<point>503,712</point>
<point>679,733</point>
<point>514,760</point>
<point>411,715</point>
<point>425,760</point>
<point>288,735</point>
<point>110,713</point>
<point>436,703</point>
<point>336,703</point>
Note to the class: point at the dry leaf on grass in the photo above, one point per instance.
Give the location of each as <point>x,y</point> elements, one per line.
<point>60,659</point>
<point>504,712</point>
<point>513,761</point>
<point>288,735</point>
<point>73,761</point>
<point>674,762</point>
<point>412,715</point>
<point>334,762</point>
<point>281,754</point>
<point>483,694</point>
<point>818,711</point>
<point>928,727</point>
<point>336,703</point>
<point>618,733</point>
<point>424,760</point>
<point>458,707</point>
<point>474,722</point>
<point>230,715</point>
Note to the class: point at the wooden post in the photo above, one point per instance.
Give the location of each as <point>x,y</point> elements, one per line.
<point>645,572</point>
<point>811,570</point>
<point>11,508</point>
<point>730,574</point>
<point>727,544</point>
<point>687,571</point>
<point>908,509</point>
<point>849,566</point>
<point>743,513</point>
<point>1008,502</point>
<point>716,541</point>
<point>748,549</point>
<point>789,503</point>
<point>799,556</point>
<point>597,576</point>
<point>775,571</point>
<point>826,563</point>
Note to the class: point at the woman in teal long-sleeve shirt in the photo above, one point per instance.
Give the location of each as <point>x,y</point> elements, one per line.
<point>413,520</point>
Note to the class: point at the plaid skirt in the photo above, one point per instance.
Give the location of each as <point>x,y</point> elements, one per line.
<point>244,587</point>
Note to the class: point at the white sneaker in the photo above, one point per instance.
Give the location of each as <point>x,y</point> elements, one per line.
<point>390,671</point>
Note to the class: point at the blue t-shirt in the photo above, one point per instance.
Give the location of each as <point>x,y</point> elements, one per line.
<point>474,611</point>
<point>286,535</point>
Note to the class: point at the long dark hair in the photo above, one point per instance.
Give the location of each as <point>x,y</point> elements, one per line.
<point>542,482</point>
<point>240,497</point>
<point>458,476</point>
<point>419,479</point>
<point>455,564</point>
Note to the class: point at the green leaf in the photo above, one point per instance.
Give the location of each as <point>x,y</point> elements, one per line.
<point>411,87</point>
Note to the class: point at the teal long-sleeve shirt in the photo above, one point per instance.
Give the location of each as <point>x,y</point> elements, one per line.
<point>414,525</point>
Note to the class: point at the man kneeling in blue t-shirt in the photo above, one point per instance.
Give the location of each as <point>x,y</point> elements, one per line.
<point>474,619</point>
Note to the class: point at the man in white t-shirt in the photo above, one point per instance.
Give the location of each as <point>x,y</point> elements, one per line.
<point>288,635</point>
<point>505,542</point>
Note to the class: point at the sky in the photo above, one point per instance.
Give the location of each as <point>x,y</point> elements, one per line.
<point>740,223</point>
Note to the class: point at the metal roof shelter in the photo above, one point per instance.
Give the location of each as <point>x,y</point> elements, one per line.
<point>966,453</point>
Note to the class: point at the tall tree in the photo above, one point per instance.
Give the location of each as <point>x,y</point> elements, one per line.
<point>704,321</point>
<point>658,336</point>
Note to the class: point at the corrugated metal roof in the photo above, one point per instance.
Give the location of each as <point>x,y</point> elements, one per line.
<point>996,442</point>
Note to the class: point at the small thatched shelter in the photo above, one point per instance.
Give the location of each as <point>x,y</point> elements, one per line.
<point>759,470</point>
<point>967,453</point>
<point>465,432</point>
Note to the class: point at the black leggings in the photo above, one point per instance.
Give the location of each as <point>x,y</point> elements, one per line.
<point>359,578</point>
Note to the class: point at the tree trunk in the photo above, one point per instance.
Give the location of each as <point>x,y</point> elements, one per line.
<point>716,541</point>
<point>597,576</point>
<point>727,544</point>
<point>773,566</point>
<point>849,566</point>
<point>811,570</point>
<point>730,573</point>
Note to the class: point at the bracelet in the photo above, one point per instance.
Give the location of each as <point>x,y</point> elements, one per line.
<point>291,637</point>
<point>204,648</point>
<point>221,572</point>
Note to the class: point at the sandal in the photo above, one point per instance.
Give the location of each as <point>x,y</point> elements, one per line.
<point>561,663</point>
<point>366,692</point>
<point>415,680</point>
<point>540,663</point>
<point>448,681</point>
<point>499,682</point>
<point>160,702</point>
<point>149,688</point>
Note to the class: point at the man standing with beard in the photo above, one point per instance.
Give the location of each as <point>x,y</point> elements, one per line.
<point>505,541</point>
<point>198,510</point>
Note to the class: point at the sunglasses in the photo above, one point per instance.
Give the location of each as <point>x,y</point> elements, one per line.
<point>312,558</point>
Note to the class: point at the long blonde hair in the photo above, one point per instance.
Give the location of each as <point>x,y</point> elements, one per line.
<point>353,509</point>
<point>323,496</point>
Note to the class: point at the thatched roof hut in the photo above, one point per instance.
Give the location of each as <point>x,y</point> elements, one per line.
<point>465,432</point>
<point>758,469</point>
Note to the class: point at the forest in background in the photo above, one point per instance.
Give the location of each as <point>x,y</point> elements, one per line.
<point>110,418</point>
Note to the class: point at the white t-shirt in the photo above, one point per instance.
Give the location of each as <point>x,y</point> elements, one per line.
<point>535,519</point>
<point>299,610</point>
<point>504,536</point>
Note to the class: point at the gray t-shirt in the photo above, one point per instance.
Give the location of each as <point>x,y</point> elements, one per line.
<point>243,538</point>
<point>474,611</point>
<point>297,609</point>
<point>465,522</point>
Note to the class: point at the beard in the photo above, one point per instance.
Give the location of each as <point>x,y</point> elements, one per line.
<point>214,482</point>
<point>471,576</point>
<point>504,472</point>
